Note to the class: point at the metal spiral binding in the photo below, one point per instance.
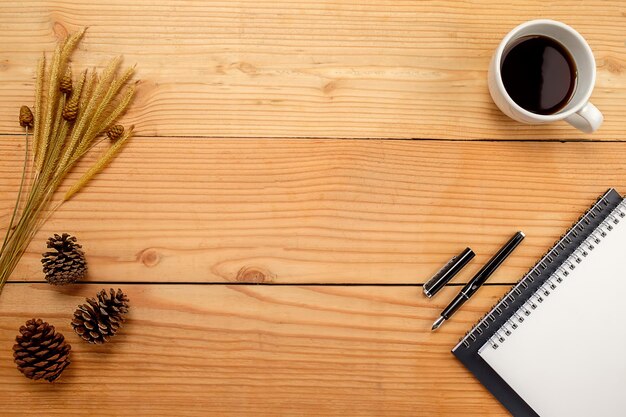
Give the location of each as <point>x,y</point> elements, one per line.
<point>557,278</point>
<point>546,288</point>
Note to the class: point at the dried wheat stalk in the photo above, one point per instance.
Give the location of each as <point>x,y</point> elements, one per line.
<point>70,118</point>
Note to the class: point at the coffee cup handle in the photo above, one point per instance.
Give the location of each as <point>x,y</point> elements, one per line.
<point>588,119</point>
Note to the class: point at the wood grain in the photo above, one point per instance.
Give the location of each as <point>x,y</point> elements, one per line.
<point>340,211</point>
<point>245,172</point>
<point>384,69</point>
<point>253,350</point>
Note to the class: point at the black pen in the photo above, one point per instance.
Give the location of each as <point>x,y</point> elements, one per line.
<point>479,279</point>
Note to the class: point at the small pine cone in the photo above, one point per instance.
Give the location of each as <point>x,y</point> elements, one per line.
<point>99,319</point>
<point>70,111</point>
<point>115,132</point>
<point>67,263</point>
<point>26,117</point>
<point>66,84</point>
<point>40,352</point>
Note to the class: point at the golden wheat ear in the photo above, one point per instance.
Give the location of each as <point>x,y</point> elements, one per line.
<point>102,162</point>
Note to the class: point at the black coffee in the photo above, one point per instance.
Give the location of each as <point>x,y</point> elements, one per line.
<point>539,74</point>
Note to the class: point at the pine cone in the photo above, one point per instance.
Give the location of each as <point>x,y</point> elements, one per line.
<point>67,263</point>
<point>41,352</point>
<point>26,117</point>
<point>99,319</point>
<point>66,84</point>
<point>115,132</point>
<point>70,111</point>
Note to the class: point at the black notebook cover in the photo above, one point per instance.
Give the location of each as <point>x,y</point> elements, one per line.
<point>467,348</point>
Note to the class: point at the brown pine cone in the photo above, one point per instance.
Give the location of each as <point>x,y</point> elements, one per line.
<point>70,111</point>
<point>67,263</point>
<point>115,132</point>
<point>66,84</point>
<point>41,352</point>
<point>99,319</point>
<point>26,117</point>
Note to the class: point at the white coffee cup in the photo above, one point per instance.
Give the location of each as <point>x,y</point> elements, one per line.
<point>578,112</point>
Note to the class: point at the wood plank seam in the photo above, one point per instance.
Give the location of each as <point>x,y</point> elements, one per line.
<point>374,138</point>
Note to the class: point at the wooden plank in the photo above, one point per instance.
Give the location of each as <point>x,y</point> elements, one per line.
<point>240,350</point>
<point>401,69</point>
<point>320,211</point>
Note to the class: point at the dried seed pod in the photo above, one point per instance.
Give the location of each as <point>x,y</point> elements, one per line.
<point>66,84</point>
<point>40,351</point>
<point>70,111</point>
<point>115,132</point>
<point>26,117</point>
<point>99,319</point>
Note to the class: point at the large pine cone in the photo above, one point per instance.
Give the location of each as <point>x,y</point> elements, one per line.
<point>99,319</point>
<point>41,352</point>
<point>67,263</point>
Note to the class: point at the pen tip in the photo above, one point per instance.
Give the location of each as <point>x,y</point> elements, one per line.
<point>437,323</point>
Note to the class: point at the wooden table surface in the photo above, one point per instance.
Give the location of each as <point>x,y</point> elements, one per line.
<point>300,169</point>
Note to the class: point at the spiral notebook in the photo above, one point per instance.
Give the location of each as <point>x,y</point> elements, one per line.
<point>554,345</point>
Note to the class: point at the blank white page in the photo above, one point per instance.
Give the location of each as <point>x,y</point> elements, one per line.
<point>568,357</point>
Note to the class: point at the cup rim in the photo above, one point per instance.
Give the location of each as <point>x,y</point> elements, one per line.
<point>500,84</point>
